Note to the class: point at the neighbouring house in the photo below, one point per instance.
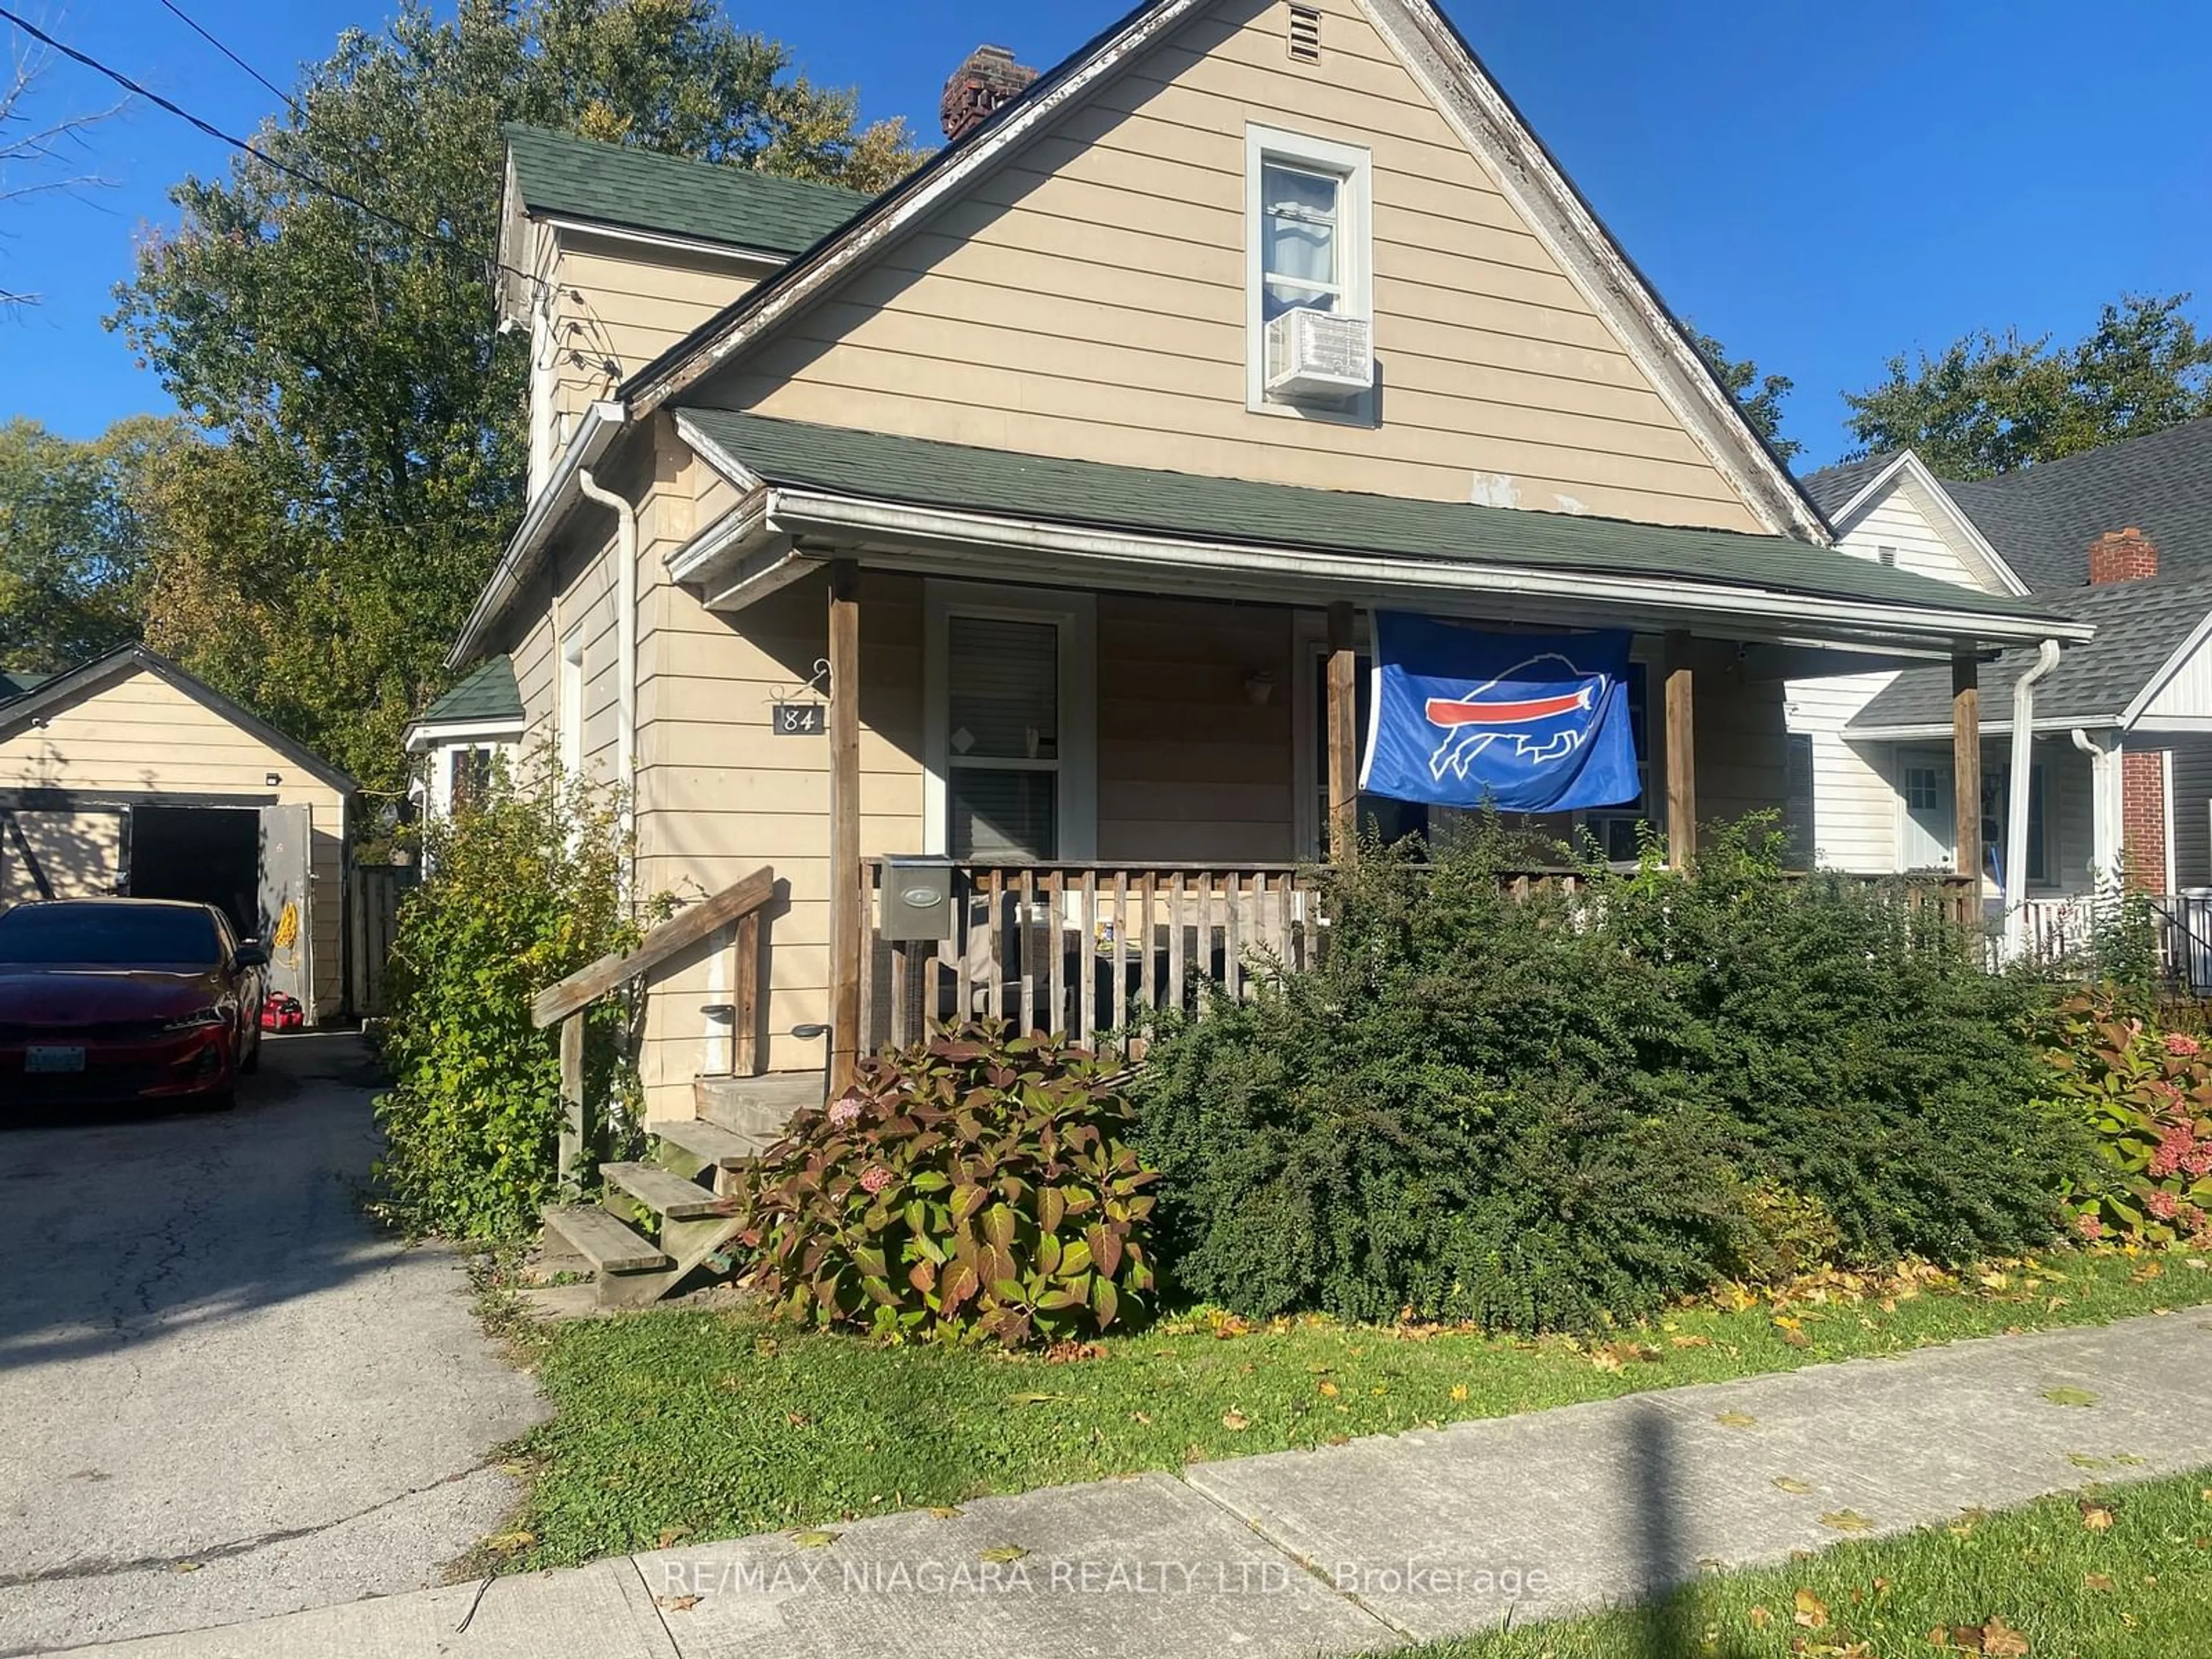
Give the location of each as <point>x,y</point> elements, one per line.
<point>462,737</point>
<point>2120,752</point>
<point>994,559</point>
<point>128,776</point>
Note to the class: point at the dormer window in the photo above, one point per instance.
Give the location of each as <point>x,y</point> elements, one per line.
<point>1306,214</point>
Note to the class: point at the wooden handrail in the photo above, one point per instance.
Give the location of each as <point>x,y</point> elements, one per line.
<point>679,933</point>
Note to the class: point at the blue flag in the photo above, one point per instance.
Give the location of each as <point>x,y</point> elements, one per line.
<point>1524,722</point>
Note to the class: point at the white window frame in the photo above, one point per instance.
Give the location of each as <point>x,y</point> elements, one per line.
<point>1939,762</point>
<point>570,705</point>
<point>1355,167</point>
<point>1076,617</point>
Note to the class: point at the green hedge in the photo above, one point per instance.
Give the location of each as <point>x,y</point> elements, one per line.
<point>521,890</point>
<point>1541,1115</point>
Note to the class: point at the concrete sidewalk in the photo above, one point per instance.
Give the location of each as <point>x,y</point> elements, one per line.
<point>1360,1546</point>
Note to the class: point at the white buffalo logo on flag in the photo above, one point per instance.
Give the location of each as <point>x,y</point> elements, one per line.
<point>1542,729</point>
<point>1528,725</point>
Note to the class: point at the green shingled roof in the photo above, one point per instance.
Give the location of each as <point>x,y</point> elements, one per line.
<point>920,472</point>
<point>487,694</point>
<point>715,202</point>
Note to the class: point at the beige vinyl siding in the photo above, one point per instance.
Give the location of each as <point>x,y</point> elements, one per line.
<point>626,303</point>
<point>1742,740</point>
<point>59,854</point>
<point>532,658</point>
<point>1088,299</point>
<point>137,735</point>
<point>1189,768</point>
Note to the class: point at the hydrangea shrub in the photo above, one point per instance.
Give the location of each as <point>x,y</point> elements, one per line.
<point>2148,1096</point>
<point>977,1184</point>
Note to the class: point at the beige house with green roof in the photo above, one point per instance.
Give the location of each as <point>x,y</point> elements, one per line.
<point>1028,517</point>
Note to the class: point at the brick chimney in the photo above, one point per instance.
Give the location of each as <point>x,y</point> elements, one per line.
<point>989,78</point>
<point>2121,555</point>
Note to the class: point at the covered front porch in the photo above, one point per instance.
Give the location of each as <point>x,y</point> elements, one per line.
<point>1141,698</point>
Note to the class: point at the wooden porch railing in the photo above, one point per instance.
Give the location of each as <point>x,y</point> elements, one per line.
<point>1093,950</point>
<point>737,907</point>
<point>1087,949</point>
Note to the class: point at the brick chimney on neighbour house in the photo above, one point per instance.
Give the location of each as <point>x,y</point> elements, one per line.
<point>2128,556</point>
<point>989,79</point>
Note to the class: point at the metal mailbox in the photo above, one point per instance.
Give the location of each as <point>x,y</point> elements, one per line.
<point>917,899</point>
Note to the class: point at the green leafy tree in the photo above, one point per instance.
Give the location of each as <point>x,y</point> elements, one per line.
<point>75,521</point>
<point>1759,396</point>
<point>373,416</point>
<point>1988,402</point>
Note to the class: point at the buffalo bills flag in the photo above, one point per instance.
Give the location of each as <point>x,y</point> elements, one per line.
<point>1515,720</point>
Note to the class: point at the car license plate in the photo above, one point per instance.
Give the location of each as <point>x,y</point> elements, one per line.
<point>51,1059</point>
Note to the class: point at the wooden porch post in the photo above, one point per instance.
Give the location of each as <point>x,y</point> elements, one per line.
<point>847,903</point>
<point>1967,764</point>
<point>1343,736</point>
<point>1681,755</point>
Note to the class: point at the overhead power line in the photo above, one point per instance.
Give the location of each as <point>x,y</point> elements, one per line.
<point>190,22</point>
<point>427,238</point>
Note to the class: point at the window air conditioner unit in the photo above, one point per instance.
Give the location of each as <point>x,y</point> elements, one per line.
<point>1317,354</point>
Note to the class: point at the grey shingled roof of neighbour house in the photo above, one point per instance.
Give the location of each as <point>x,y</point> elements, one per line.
<point>614,183</point>
<point>1833,487</point>
<point>487,694</point>
<point>2139,626</point>
<point>923,472</point>
<point>2043,518</point>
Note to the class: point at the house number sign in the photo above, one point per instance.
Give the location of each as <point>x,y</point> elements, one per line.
<point>799,719</point>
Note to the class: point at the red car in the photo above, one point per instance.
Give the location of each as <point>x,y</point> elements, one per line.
<point>127,999</point>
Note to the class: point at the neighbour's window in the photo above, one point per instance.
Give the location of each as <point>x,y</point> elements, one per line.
<point>1003,739</point>
<point>1926,788</point>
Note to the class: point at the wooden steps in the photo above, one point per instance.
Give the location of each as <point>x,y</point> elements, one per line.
<point>611,1248</point>
<point>666,1194</point>
<point>689,1187</point>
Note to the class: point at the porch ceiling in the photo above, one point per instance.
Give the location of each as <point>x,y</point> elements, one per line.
<point>953,509</point>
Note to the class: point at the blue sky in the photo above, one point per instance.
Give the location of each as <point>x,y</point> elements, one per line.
<point>1819,185</point>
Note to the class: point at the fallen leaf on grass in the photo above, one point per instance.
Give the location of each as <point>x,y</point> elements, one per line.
<point>813,1541</point>
<point>670,1535</point>
<point>2069,1396</point>
<point>676,1603</point>
<point>1796,1338</point>
<point>1458,1391</point>
<point>1691,1341</point>
<point>1236,1421</point>
<point>1760,1618</point>
<point>1329,1390</point>
<point>1846,1521</point>
<point>1790,1484</point>
<point>946,1512</point>
<point>1735,1419</point>
<point>797,1420</point>
<point>2001,1641</point>
<point>1967,1521</point>
<point>2098,1517</point>
<point>1000,1553</point>
<point>1145,1418</point>
<point>2100,1582</point>
<point>1811,1611</point>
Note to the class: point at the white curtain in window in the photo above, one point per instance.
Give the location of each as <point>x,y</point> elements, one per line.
<point>1301,245</point>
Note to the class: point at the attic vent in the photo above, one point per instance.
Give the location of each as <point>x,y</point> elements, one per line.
<point>1305,34</point>
<point>1887,555</point>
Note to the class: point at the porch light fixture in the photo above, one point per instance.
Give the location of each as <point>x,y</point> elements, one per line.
<point>273,778</point>
<point>1260,688</point>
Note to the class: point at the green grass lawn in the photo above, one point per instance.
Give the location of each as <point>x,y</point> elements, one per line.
<point>2122,1572</point>
<point>680,1424</point>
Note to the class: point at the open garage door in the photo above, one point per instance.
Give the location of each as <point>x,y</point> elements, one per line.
<point>287,923</point>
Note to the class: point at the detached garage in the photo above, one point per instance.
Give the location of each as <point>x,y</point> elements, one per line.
<point>128,776</point>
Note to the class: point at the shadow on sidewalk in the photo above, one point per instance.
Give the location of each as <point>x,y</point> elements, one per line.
<point>1668,1625</point>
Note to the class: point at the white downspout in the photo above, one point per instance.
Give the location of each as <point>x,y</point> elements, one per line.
<point>626,643</point>
<point>2023,760</point>
<point>2103,806</point>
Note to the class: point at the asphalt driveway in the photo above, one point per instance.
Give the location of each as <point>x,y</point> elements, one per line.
<point>222,1392</point>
